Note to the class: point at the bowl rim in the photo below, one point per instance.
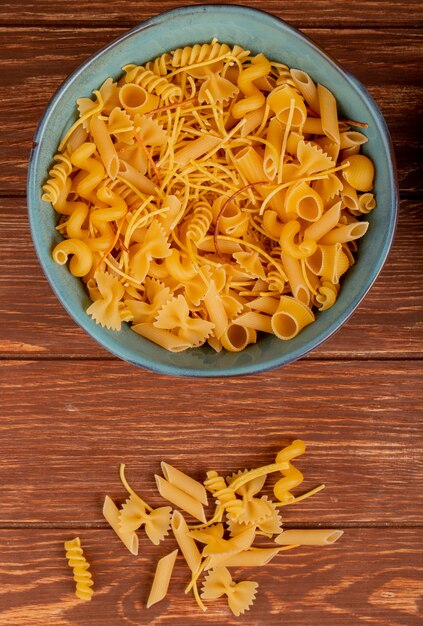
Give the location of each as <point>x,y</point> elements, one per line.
<point>283,358</point>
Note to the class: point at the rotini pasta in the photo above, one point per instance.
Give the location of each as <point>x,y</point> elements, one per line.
<point>213,176</point>
<point>80,566</point>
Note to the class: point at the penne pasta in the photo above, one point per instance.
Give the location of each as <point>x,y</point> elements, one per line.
<point>185,542</point>
<point>162,578</point>
<point>184,482</point>
<point>318,537</point>
<point>180,498</point>
<point>105,146</point>
<point>328,113</point>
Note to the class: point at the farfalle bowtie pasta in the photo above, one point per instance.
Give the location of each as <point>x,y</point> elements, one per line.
<point>224,179</point>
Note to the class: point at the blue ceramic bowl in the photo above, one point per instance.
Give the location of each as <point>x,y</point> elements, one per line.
<point>258,32</point>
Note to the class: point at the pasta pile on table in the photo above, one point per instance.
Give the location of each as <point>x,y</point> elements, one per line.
<point>226,539</point>
<point>209,195</point>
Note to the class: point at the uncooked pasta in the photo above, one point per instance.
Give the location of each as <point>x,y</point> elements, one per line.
<point>210,196</point>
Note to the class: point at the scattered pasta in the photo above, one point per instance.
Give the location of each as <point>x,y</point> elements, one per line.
<point>227,538</point>
<point>210,195</point>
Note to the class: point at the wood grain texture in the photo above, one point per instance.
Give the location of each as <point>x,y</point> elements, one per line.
<point>369,577</point>
<point>70,412</point>
<point>66,427</point>
<point>131,12</point>
<point>35,61</point>
<point>386,324</point>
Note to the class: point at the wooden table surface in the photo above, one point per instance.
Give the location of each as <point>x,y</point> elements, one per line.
<point>70,412</point>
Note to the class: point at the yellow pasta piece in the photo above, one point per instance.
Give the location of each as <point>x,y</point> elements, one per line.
<point>111,514</point>
<point>291,316</point>
<point>329,261</point>
<point>82,257</point>
<point>240,595</point>
<point>184,482</point>
<point>136,100</point>
<point>279,101</point>
<point>186,543</point>
<point>260,67</point>
<point>180,498</point>
<point>328,113</point>
<point>81,574</point>
<point>162,578</point>
<point>359,173</point>
<point>105,146</point>
<point>318,537</point>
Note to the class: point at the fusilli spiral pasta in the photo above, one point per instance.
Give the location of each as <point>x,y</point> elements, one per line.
<point>81,574</point>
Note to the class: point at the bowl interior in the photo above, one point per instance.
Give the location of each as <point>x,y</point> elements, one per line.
<point>258,32</point>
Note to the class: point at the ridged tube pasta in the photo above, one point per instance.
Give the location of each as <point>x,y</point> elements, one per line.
<point>195,149</point>
<point>186,543</point>
<point>329,261</point>
<point>249,162</point>
<point>162,578</point>
<point>292,477</point>
<point>279,101</point>
<point>313,126</point>
<point>343,234</point>
<point>105,146</point>
<point>328,113</point>
<point>79,564</point>
<point>136,178</point>
<point>288,245</point>
<point>82,256</point>
<point>199,53</point>
<point>58,181</point>
<point>136,99</point>
<point>237,337</point>
<point>360,172</point>
<point>304,202</point>
<point>324,224</point>
<point>312,537</point>
<point>272,150</point>
<point>307,88</point>
<point>152,82</point>
<point>83,158</point>
<point>254,319</point>
<point>225,495</point>
<point>351,138</point>
<point>295,276</point>
<point>254,98</point>
<point>291,317</point>
<point>252,121</point>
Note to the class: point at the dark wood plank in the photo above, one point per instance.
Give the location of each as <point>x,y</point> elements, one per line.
<point>385,325</point>
<point>66,427</point>
<point>131,12</point>
<point>370,576</point>
<point>35,61</point>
